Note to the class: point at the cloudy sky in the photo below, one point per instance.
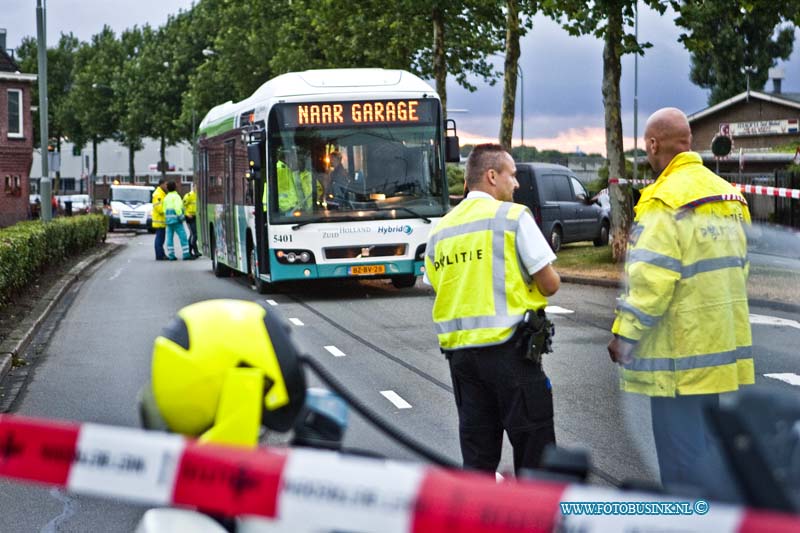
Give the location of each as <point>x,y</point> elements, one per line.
<point>562,74</point>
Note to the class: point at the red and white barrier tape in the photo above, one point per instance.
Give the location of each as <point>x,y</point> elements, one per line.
<point>306,490</point>
<point>769,191</point>
<point>752,189</point>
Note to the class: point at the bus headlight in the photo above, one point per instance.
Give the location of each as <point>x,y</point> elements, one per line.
<point>292,257</point>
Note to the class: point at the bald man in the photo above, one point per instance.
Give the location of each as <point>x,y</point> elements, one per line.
<point>682,334</point>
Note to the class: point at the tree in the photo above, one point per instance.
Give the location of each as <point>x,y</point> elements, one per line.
<point>608,20</point>
<point>515,28</point>
<point>724,38</point>
<point>91,99</point>
<point>60,60</point>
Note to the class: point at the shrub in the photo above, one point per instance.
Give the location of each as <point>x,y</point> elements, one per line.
<point>28,248</point>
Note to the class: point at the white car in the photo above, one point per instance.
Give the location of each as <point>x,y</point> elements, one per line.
<point>131,207</point>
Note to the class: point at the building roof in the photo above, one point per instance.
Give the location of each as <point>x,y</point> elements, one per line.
<point>7,63</point>
<point>787,99</point>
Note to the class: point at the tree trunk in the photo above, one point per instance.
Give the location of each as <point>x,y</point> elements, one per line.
<point>94,156</point>
<point>131,166</point>
<point>620,200</point>
<point>440,58</point>
<point>510,75</point>
<point>162,151</point>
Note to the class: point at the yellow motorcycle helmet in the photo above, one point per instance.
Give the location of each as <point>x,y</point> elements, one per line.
<point>221,368</point>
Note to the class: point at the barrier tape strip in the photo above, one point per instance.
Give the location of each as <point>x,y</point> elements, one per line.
<point>769,191</point>
<point>761,190</point>
<point>306,489</point>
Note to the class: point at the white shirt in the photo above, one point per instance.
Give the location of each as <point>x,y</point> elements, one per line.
<point>533,249</point>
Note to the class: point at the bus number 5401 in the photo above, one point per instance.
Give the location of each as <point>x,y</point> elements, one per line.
<point>281,238</point>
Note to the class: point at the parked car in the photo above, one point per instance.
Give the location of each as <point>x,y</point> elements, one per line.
<point>560,204</point>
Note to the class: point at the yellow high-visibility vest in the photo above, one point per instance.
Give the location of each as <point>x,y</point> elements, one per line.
<point>472,263</point>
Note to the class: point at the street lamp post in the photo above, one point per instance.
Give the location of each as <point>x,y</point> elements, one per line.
<point>45,191</point>
<point>521,105</point>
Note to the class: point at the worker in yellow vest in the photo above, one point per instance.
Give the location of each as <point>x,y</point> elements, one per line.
<point>682,332</point>
<point>190,211</point>
<point>159,220</point>
<point>491,269</point>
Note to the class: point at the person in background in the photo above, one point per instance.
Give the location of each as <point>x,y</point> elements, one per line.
<point>682,331</point>
<point>158,219</point>
<point>190,208</point>
<point>491,269</point>
<point>173,211</point>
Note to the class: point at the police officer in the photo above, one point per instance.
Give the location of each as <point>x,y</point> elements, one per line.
<point>491,269</point>
<point>159,219</point>
<point>682,333</point>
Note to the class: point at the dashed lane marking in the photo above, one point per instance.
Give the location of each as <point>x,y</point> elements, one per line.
<point>395,398</point>
<point>272,302</point>
<point>115,275</point>
<point>556,310</point>
<point>791,379</point>
<point>336,352</point>
<point>774,321</point>
<point>296,321</point>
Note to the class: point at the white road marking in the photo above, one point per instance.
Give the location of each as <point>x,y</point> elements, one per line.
<point>395,398</point>
<point>774,321</point>
<point>296,321</point>
<point>115,275</point>
<point>335,351</point>
<point>272,302</point>
<point>556,310</point>
<point>791,379</point>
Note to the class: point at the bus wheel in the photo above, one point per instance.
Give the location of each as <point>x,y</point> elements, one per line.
<point>258,284</point>
<point>405,281</point>
<point>219,269</point>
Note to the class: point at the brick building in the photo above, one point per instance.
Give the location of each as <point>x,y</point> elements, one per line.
<point>764,128</point>
<point>761,125</point>
<point>16,138</point>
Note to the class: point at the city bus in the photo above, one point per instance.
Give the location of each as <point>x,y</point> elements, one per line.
<point>324,174</point>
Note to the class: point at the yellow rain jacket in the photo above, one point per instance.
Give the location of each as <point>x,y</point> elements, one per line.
<point>190,204</point>
<point>685,305</point>
<point>472,263</point>
<point>159,218</point>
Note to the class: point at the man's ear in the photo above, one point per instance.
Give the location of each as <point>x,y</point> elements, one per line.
<point>491,177</point>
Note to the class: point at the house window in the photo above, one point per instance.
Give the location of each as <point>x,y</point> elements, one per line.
<point>14,113</point>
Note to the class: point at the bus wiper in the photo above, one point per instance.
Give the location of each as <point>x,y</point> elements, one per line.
<point>407,210</point>
<point>324,219</point>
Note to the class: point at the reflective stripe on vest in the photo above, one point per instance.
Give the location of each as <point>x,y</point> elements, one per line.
<point>659,364</point>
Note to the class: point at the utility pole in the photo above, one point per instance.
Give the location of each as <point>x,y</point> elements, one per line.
<point>45,190</point>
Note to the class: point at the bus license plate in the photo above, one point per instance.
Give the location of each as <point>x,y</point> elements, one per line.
<point>133,222</point>
<point>367,270</point>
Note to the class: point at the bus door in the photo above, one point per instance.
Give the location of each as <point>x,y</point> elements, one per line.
<point>229,213</point>
<point>262,203</point>
<point>201,188</point>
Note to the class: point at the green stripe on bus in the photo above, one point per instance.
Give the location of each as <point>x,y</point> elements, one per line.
<point>215,129</point>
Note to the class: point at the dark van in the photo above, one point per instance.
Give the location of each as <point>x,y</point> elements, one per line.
<point>560,204</point>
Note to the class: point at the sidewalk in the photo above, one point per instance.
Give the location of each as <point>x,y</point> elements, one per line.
<point>17,341</point>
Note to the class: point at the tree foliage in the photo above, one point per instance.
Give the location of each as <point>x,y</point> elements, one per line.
<point>724,39</point>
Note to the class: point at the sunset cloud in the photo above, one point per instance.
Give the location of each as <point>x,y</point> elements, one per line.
<point>589,140</point>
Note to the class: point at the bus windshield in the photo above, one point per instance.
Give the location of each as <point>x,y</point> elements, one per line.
<point>355,171</point>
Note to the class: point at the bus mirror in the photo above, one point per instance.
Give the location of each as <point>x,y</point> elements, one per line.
<point>254,158</point>
<point>452,152</point>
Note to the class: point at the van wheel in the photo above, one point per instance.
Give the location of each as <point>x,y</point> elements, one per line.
<point>602,238</point>
<point>219,269</point>
<point>404,282</point>
<point>555,238</point>
<point>258,284</point>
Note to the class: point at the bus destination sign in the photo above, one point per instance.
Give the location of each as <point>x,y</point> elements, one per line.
<point>360,112</point>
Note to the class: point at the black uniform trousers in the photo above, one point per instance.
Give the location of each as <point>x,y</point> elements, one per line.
<point>497,389</point>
